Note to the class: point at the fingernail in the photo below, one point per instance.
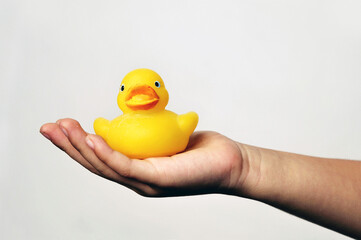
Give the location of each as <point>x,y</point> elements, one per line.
<point>64,131</point>
<point>89,142</point>
<point>45,135</point>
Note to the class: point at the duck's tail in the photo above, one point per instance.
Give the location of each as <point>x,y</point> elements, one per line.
<point>188,122</point>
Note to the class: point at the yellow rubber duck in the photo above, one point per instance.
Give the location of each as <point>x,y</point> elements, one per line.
<point>146,129</point>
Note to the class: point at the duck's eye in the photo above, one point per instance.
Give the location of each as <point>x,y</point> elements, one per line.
<point>157,84</point>
<point>122,88</point>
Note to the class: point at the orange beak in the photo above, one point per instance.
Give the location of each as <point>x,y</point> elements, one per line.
<point>142,98</point>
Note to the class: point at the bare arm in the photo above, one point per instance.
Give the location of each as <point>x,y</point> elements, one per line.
<point>324,191</point>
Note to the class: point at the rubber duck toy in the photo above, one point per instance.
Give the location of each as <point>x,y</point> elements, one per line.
<point>146,129</point>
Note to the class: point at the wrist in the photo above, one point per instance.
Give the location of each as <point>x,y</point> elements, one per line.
<point>250,171</point>
<point>261,172</point>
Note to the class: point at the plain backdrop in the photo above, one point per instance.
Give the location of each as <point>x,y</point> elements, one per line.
<point>277,74</point>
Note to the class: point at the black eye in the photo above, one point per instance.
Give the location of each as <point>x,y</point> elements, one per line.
<point>157,84</point>
<point>122,88</point>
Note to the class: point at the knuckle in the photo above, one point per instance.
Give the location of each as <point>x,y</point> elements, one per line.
<point>105,157</point>
<point>69,124</point>
<point>99,139</point>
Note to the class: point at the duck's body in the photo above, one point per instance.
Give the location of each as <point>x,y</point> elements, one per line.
<point>140,135</point>
<point>146,129</point>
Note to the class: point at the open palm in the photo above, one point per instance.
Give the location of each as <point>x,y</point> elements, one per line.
<point>212,163</point>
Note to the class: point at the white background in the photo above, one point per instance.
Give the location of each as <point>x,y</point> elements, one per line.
<point>278,74</point>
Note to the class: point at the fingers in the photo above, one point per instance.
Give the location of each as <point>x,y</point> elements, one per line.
<point>53,132</point>
<point>76,136</point>
<point>140,170</point>
<point>68,135</point>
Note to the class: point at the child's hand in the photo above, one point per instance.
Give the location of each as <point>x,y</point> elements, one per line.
<point>212,163</point>
<point>325,191</point>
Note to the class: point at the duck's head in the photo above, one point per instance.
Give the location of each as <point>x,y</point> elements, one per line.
<point>142,90</point>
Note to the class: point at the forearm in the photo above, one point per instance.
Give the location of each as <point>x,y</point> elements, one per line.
<point>324,191</point>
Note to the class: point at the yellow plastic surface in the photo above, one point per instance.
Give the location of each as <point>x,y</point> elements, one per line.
<point>146,129</point>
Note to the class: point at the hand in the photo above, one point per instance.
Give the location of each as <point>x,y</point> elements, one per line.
<point>212,163</point>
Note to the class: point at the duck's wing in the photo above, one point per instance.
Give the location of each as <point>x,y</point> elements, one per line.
<point>188,122</point>
<point>101,127</point>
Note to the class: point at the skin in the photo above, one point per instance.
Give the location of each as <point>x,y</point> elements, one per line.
<point>324,191</point>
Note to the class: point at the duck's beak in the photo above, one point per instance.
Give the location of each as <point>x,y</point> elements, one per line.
<point>141,98</point>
